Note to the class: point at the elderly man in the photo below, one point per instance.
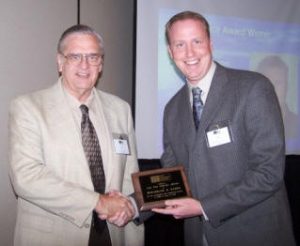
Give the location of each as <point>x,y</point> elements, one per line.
<point>71,145</point>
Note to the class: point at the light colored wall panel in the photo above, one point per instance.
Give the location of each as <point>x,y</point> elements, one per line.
<point>114,20</point>
<point>29,31</point>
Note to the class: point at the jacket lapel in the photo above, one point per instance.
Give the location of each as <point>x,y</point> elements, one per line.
<point>185,119</point>
<point>106,140</point>
<point>215,98</point>
<point>62,122</point>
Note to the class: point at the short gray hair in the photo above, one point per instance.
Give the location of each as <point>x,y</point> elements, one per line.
<point>79,29</point>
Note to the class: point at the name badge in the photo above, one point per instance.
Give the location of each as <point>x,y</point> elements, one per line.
<point>121,144</point>
<point>219,134</point>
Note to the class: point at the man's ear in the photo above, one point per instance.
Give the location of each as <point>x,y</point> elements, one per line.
<point>170,52</point>
<point>60,62</point>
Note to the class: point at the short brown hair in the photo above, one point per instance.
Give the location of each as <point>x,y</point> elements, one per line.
<point>185,15</point>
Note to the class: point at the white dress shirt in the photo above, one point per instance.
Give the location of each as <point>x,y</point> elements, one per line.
<point>203,84</point>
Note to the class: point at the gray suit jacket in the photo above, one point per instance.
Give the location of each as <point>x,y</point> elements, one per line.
<point>239,184</point>
<point>50,174</point>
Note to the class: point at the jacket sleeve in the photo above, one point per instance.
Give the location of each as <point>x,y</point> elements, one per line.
<point>33,180</point>
<point>263,166</point>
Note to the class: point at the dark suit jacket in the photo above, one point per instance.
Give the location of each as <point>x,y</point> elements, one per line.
<point>239,184</point>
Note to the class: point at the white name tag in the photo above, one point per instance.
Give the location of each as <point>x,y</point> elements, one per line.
<point>218,137</point>
<point>121,144</point>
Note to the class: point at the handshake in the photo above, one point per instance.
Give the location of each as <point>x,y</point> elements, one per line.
<point>116,208</point>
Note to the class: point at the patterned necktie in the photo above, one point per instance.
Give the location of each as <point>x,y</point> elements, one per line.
<point>92,151</point>
<point>197,105</point>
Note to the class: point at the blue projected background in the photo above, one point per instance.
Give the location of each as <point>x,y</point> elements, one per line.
<point>243,37</point>
<point>237,43</point>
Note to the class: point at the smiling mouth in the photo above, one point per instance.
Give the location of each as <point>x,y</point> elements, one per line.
<point>192,62</point>
<point>82,75</point>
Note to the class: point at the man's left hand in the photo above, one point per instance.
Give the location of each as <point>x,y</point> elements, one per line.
<point>181,208</point>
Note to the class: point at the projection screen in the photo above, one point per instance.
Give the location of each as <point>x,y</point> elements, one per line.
<point>252,34</point>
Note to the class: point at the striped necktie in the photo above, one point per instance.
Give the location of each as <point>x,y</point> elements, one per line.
<point>197,105</point>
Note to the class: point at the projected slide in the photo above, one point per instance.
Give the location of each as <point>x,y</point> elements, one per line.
<point>245,44</point>
<point>261,43</point>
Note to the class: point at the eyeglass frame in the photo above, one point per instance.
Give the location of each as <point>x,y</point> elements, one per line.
<point>71,58</point>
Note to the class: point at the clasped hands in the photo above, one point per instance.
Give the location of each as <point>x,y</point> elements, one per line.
<point>119,210</point>
<point>115,208</point>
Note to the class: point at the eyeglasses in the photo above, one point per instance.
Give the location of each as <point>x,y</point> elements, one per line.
<point>76,59</point>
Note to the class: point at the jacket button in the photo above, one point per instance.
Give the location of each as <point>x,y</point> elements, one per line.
<point>87,225</point>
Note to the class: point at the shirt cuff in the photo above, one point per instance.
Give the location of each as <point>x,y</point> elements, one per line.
<point>136,214</point>
<point>204,215</point>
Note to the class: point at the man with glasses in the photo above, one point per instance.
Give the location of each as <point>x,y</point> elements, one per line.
<point>72,151</point>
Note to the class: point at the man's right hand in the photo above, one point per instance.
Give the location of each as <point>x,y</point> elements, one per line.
<point>116,208</point>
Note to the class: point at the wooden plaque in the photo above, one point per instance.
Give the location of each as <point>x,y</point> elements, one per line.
<point>153,187</point>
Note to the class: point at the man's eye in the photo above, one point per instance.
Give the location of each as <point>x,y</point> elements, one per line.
<point>75,57</point>
<point>179,45</point>
<point>93,57</point>
<point>198,41</point>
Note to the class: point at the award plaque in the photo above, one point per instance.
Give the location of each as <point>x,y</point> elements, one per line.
<point>153,187</point>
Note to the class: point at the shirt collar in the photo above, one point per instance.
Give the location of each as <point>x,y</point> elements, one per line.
<point>75,103</point>
<point>205,82</point>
